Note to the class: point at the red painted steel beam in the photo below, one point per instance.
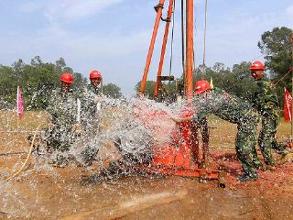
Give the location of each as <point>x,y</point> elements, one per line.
<point>189,49</point>
<point>151,47</point>
<point>164,44</point>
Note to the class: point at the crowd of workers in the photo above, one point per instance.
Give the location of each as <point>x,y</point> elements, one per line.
<point>66,122</point>
<point>71,112</point>
<point>74,117</point>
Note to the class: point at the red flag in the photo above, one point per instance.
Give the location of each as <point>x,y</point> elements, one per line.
<point>19,102</point>
<point>287,105</point>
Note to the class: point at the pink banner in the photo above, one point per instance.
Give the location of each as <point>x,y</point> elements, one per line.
<point>287,105</point>
<point>19,102</point>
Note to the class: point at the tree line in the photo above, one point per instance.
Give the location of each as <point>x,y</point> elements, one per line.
<point>37,80</point>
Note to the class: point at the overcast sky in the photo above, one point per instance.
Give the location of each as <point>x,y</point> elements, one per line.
<point>113,35</point>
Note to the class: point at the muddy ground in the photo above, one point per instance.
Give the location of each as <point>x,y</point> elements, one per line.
<point>45,192</point>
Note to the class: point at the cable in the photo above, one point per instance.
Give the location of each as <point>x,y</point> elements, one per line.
<point>27,158</point>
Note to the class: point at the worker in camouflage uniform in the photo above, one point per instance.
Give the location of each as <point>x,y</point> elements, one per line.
<point>92,96</point>
<point>90,101</point>
<point>62,106</point>
<point>266,103</point>
<point>90,111</point>
<point>233,109</point>
<point>96,85</point>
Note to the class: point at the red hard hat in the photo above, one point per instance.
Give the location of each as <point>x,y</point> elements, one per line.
<point>257,65</point>
<point>95,74</point>
<point>67,77</point>
<point>201,86</point>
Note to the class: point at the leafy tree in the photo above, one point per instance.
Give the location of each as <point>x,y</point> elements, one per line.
<point>236,81</point>
<point>112,90</point>
<point>37,79</point>
<point>36,61</point>
<point>67,69</point>
<point>276,47</point>
<point>219,67</point>
<point>79,81</point>
<point>8,84</point>
<point>60,64</point>
<point>149,89</point>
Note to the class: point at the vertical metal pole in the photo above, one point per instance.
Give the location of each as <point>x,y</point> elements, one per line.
<point>189,49</point>
<point>182,40</point>
<point>151,47</point>
<point>164,44</point>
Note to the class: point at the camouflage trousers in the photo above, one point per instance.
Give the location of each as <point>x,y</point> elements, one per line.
<point>58,141</point>
<point>267,138</point>
<point>245,146</point>
<point>59,138</point>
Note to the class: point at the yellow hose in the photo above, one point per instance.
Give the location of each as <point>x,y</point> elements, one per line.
<point>28,156</point>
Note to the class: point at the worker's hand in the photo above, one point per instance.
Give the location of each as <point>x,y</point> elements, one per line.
<point>178,119</point>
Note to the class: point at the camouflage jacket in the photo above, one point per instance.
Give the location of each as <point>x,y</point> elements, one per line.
<point>90,107</point>
<point>63,108</point>
<point>223,105</point>
<point>265,98</point>
<point>94,90</point>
